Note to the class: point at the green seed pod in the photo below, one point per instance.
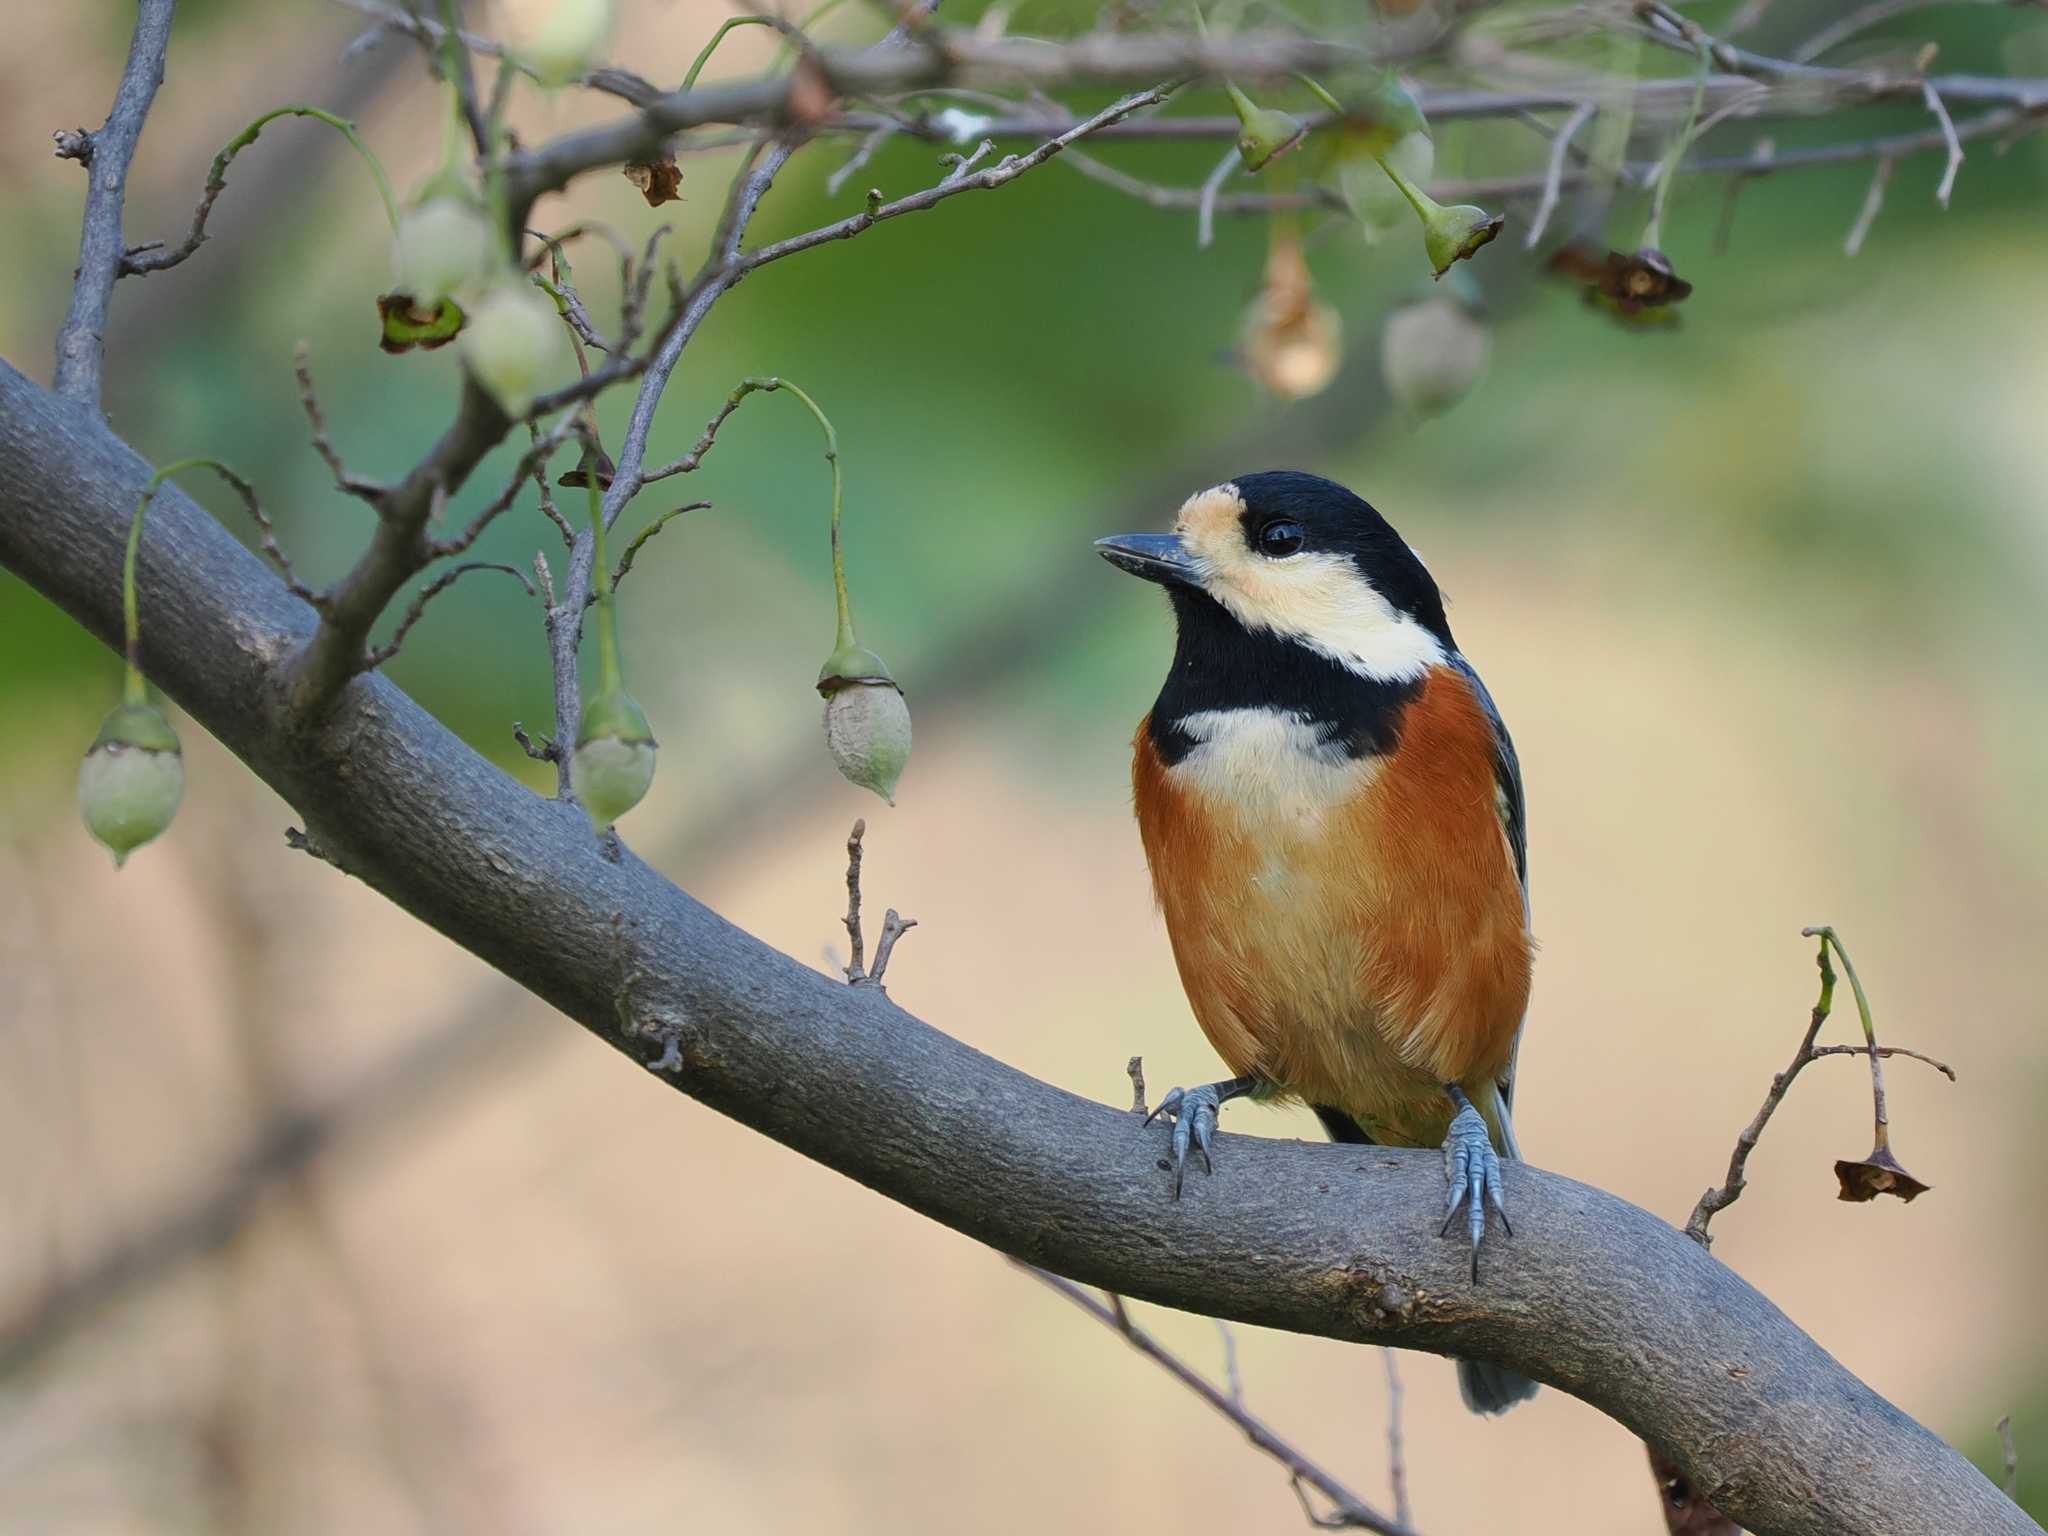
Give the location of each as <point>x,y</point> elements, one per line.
<point>132,779</point>
<point>445,245</point>
<point>1264,133</point>
<point>1450,235</point>
<point>570,41</point>
<point>867,730</point>
<point>513,343</point>
<point>1432,352</point>
<point>614,758</point>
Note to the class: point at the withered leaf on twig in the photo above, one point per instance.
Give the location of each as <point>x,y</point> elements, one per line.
<point>408,324</point>
<point>593,459</point>
<point>1877,1174</point>
<point>1637,286</point>
<point>659,179</point>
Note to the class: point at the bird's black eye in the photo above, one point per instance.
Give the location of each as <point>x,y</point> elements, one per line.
<point>1280,539</point>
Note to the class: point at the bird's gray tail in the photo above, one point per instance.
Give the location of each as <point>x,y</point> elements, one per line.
<point>1489,1388</point>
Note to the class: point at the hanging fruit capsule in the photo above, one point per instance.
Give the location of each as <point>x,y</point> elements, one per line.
<point>444,246</point>
<point>867,722</point>
<point>513,343</point>
<point>570,41</point>
<point>1434,349</point>
<point>132,778</point>
<point>613,763</point>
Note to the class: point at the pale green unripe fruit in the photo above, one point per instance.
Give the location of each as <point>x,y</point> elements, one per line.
<point>570,41</point>
<point>513,344</point>
<point>867,730</point>
<point>613,763</point>
<point>1375,201</point>
<point>1432,353</point>
<point>131,780</point>
<point>444,246</point>
<point>1452,234</point>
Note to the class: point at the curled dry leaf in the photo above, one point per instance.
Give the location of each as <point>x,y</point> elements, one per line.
<point>659,180</point>
<point>1636,286</point>
<point>1877,1174</point>
<point>408,323</point>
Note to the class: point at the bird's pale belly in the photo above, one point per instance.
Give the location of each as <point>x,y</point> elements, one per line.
<point>1315,952</point>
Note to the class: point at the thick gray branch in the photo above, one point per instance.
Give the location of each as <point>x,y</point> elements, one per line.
<point>1594,1296</point>
<point>82,340</point>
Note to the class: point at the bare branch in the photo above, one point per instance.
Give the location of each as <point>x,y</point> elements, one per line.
<point>432,590</point>
<point>1347,1510</point>
<point>82,339</point>
<point>352,485</point>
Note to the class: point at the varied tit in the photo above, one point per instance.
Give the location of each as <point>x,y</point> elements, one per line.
<point>1332,813</point>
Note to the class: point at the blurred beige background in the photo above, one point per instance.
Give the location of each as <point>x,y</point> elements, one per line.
<point>1761,602</point>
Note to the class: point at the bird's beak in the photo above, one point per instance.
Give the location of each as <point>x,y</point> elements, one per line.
<point>1159,557</point>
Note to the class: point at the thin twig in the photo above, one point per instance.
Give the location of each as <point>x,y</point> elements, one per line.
<point>377,656</point>
<point>1230,1373</point>
<point>1886,1050</point>
<point>2011,1456</point>
<point>894,927</point>
<point>856,967</point>
<point>1730,1191</point>
<point>626,560</point>
<point>1873,200</point>
<point>547,751</point>
<point>1948,133</point>
<point>1553,178</point>
<point>82,338</point>
<point>352,485</point>
<point>1205,206</point>
<point>531,463</point>
<point>695,456</point>
<point>875,139</point>
<point>1397,1462</point>
<point>1348,1511</point>
<point>1136,1072</point>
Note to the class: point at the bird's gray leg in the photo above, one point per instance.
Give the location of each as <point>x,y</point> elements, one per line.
<point>1472,1171</point>
<point>1194,1119</point>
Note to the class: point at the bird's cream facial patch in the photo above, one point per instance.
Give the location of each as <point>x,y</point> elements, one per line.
<point>1319,598</point>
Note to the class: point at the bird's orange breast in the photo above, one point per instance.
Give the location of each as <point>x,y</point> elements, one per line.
<point>1349,928</point>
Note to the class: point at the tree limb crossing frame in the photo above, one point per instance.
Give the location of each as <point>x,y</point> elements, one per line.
<point>1593,1296</point>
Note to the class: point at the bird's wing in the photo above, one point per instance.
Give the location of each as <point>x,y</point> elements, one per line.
<point>1507,778</point>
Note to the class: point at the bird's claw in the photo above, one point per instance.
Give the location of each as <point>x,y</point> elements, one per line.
<point>1472,1170</point>
<point>1194,1124</point>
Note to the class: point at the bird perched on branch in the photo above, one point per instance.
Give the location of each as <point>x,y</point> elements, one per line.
<point>1332,812</point>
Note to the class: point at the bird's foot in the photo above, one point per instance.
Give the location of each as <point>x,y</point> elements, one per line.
<point>1472,1173</point>
<point>1194,1120</point>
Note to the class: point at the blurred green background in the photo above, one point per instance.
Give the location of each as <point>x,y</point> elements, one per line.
<point>1762,597</point>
